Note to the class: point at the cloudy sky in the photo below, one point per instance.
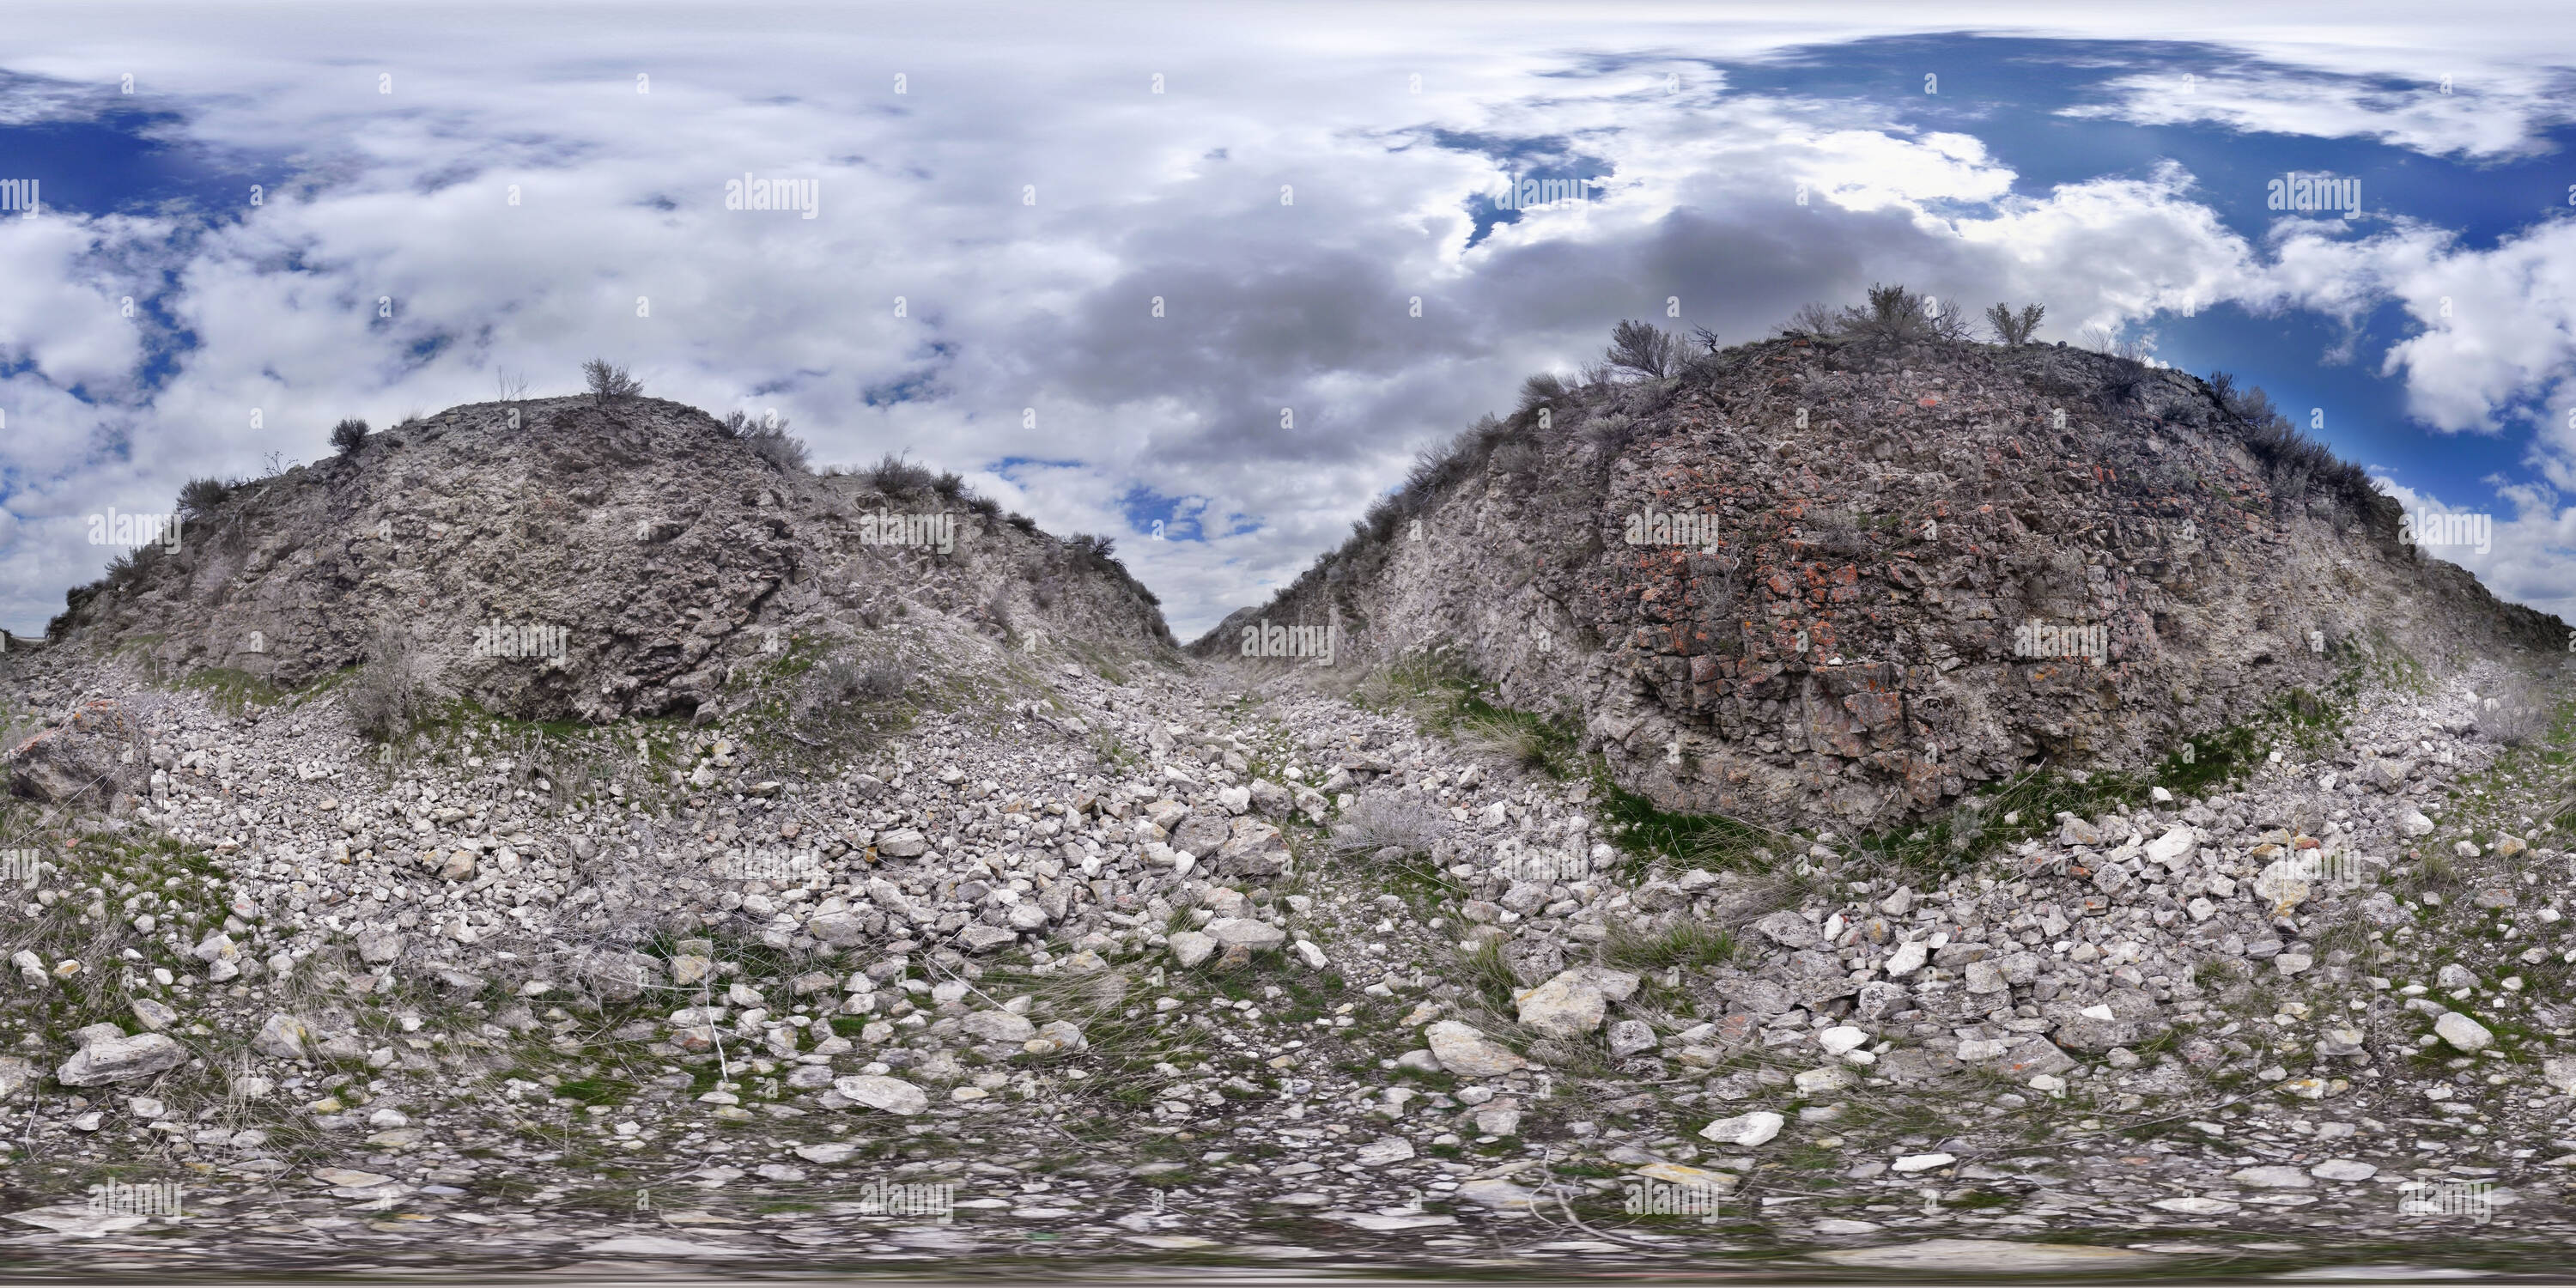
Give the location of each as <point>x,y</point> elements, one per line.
<point>1204,278</point>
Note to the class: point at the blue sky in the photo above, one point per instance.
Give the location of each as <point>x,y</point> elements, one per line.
<point>449,194</point>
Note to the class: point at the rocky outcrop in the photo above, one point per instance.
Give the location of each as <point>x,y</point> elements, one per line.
<point>554,559</point>
<point>1812,585</point>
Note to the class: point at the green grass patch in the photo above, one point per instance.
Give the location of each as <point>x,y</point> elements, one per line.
<point>1691,945</point>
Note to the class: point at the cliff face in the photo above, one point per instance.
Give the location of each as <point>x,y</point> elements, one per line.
<point>553,558</point>
<point>1806,582</point>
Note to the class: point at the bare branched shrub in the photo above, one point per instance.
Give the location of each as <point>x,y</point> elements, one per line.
<point>848,700</point>
<point>2298,464</point>
<point>893,475</point>
<point>1385,821</point>
<point>2015,328</point>
<point>2515,713</point>
<point>2108,342</point>
<point>767,437</point>
<point>1894,315</point>
<point>771,442</point>
<point>608,382</point>
<point>884,680</point>
<point>2124,386</point>
<point>843,681</point>
<point>1644,348</point>
<point>1817,318</point>
<point>392,690</point>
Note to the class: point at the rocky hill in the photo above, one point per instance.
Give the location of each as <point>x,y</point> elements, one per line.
<point>560,558</point>
<point>1090,953</point>
<point>1844,580</point>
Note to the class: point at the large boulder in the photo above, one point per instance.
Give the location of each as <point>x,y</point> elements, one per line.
<point>1204,831</point>
<point>121,1060</point>
<point>999,1026</point>
<point>1253,849</point>
<point>2124,1018</point>
<point>1744,1130</point>
<point>282,1038</point>
<point>99,756</point>
<point>1245,932</point>
<point>1470,1054</point>
<point>1575,1001</point>
<point>891,1095</point>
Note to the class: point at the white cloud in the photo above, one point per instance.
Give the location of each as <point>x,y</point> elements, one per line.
<point>2531,547</point>
<point>1014,306</point>
<point>2498,325</point>
<point>2502,113</point>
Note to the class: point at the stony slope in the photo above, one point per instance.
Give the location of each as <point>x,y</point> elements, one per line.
<point>1095,967</point>
<point>1192,962</point>
<point>1836,646</point>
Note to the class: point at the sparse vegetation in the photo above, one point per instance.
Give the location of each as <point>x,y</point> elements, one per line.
<point>2517,713</point>
<point>392,690</point>
<point>767,437</point>
<point>1691,945</point>
<point>893,475</point>
<point>2015,328</point>
<point>1893,315</point>
<point>1379,822</point>
<point>348,435</point>
<point>2295,462</point>
<point>200,496</point>
<point>609,383</point>
<point>1644,348</point>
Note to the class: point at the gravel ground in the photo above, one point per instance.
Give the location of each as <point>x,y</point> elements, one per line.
<point>1196,966</point>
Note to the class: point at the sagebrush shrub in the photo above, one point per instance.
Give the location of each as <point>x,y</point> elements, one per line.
<point>608,382</point>
<point>348,435</point>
